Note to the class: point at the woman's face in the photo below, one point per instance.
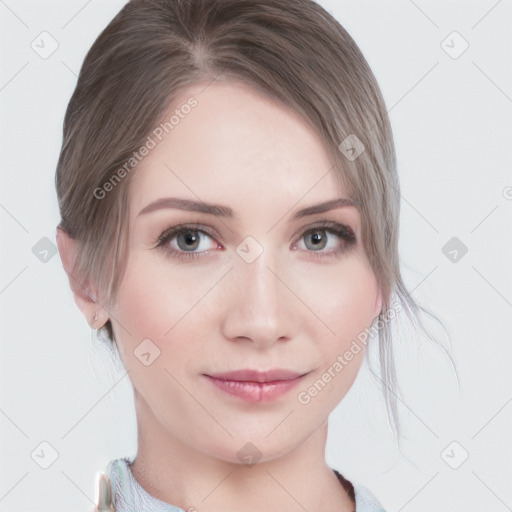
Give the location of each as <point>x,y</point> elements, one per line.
<point>252,285</point>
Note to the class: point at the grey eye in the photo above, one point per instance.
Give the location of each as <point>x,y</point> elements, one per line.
<point>316,238</point>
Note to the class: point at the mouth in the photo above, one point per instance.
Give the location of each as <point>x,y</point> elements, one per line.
<point>254,385</point>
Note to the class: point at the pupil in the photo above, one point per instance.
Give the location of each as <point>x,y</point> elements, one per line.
<point>317,239</point>
<point>190,237</point>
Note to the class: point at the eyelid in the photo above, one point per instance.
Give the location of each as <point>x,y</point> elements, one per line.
<point>325,224</point>
<point>328,225</point>
<point>343,231</point>
<point>192,226</point>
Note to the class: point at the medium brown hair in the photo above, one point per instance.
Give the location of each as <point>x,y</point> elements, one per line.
<point>294,52</point>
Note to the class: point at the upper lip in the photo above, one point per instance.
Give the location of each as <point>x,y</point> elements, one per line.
<point>249,375</point>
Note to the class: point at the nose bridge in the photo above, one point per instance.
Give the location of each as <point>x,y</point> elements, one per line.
<point>258,308</point>
<point>262,284</point>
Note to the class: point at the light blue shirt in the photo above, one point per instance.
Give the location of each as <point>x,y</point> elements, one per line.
<point>129,496</point>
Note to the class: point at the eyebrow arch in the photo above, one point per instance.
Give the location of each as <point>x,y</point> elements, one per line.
<point>225,211</point>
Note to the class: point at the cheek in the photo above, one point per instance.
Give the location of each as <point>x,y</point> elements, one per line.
<point>144,308</point>
<point>345,301</point>
<point>344,298</point>
<point>148,300</point>
<point>160,304</point>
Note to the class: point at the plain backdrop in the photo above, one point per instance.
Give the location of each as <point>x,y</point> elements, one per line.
<point>64,404</point>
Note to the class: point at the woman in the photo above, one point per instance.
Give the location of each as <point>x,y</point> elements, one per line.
<point>229,202</point>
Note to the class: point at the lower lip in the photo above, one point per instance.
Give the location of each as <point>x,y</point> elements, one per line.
<point>255,391</point>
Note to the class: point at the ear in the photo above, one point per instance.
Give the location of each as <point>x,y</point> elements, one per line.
<point>86,296</point>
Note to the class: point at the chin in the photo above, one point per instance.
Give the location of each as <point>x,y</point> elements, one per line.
<point>255,447</point>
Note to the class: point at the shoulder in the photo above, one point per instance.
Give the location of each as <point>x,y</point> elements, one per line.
<point>365,500</point>
<point>128,495</point>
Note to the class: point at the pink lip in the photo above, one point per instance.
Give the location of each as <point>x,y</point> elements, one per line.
<point>256,386</point>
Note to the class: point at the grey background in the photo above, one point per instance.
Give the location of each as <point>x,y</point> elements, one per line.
<point>452,125</point>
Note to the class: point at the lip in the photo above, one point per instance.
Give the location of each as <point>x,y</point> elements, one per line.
<point>255,385</point>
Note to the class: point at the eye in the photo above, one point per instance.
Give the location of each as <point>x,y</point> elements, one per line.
<point>194,240</point>
<point>335,237</point>
<point>184,241</point>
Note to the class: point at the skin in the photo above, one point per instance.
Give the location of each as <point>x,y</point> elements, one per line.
<point>290,308</point>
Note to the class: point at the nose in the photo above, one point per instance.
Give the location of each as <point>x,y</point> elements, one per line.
<point>259,306</point>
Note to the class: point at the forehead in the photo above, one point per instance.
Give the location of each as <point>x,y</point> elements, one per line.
<point>236,145</point>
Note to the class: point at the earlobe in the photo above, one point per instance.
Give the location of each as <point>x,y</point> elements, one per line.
<point>85,298</point>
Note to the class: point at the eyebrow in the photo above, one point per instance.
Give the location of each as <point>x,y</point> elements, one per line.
<point>224,211</point>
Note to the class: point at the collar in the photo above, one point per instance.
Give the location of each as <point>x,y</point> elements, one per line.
<point>127,495</point>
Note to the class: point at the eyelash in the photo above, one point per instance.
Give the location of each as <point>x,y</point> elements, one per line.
<point>334,228</point>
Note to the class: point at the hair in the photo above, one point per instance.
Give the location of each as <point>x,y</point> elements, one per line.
<point>295,53</point>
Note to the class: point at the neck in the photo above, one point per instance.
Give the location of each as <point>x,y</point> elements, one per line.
<point>176,473</point>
